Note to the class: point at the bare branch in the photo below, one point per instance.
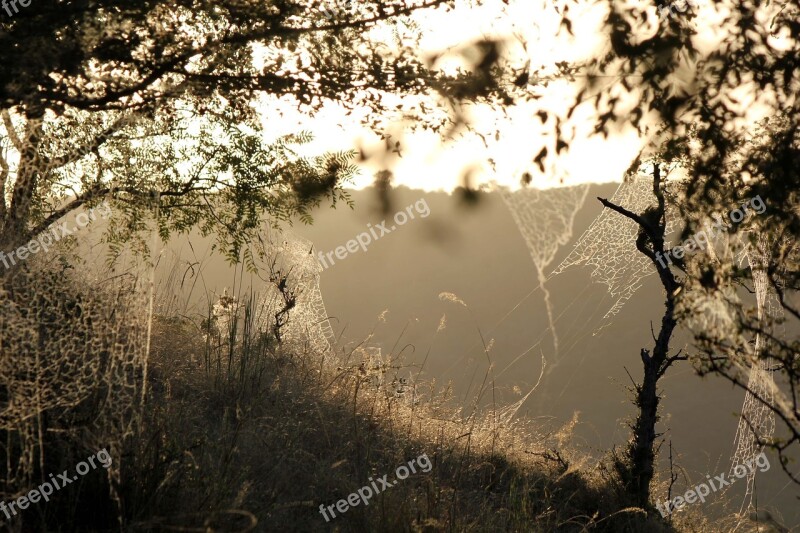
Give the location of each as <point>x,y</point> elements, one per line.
<point>642,223</point>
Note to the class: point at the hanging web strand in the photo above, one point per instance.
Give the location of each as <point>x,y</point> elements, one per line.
<point>308,320</point>
<point>545,220</point>
<point>609,245</point>
<point>757,421</point>
<point>506,414</point>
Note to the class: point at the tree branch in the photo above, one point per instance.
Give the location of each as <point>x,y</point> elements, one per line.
<point>12,133</point>
<point>4,172</point>
<point>104,191</point>
<point>651,232</point>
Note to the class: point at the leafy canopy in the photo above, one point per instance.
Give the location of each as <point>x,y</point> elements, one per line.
<point>153,104</point>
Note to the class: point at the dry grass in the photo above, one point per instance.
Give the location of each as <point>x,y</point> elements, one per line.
<point>240,441</point>
<point>243,434</point>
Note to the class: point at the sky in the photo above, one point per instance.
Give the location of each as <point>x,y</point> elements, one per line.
<point>510,142</point>
<point>432,164</point>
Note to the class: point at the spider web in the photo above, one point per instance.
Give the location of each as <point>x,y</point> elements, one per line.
<point>74,338</point>
<point>308,322</point>
<point>713,313</point>
<point>609,245</point>
<point>545,219</point>
<point>757,421</point>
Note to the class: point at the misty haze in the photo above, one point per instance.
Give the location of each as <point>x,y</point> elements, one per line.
<point>399,265</point>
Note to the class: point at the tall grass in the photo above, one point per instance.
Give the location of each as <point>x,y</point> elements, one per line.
<point>240,432</point>
<point>258,434</point>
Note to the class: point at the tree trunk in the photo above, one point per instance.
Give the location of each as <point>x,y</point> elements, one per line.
<point>640,470</point>
<point>637,468</point>
<point>15,224</point>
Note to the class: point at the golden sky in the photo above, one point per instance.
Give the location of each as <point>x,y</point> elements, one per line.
<point>511,138</point>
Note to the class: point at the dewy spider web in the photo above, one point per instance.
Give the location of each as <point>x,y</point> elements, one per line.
<point>308,320</point>
<point>609,245</point>
<point>757,421</point>
<point>545,220</point>
<point>74,340</point>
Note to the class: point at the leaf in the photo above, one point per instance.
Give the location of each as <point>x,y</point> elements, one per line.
<point>539,159</point>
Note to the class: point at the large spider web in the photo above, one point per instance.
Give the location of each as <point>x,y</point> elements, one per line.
<point>609,245</point>
<point>713,313</point>
<point>545,220</point>
<point>757,421</point>
<point>74,340</point>
<point>308,322</point>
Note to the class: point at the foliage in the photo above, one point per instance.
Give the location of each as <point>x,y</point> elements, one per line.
<point>155,105</point>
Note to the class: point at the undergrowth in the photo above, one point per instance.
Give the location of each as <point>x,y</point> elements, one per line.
<point>242,433</point>
<point>239,432</point>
